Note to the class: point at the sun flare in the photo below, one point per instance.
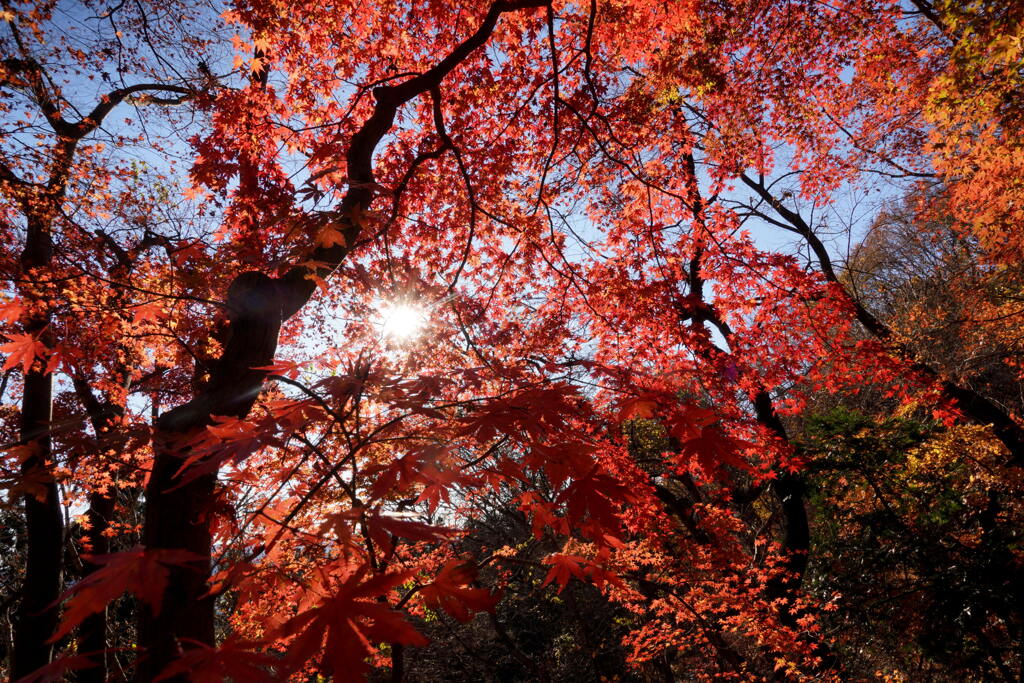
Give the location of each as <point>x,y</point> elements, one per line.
<point>400,321</point>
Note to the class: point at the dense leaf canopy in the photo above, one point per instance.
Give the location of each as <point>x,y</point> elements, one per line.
<point>342,337</point>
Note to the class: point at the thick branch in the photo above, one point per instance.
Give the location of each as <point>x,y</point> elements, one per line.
<point>297,284</point>
<point>32,78</point>
<point>107,103</point>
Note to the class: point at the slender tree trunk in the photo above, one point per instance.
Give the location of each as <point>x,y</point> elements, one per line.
<point>791,491</point>
<point>92,633</point>
<point>36,617</point>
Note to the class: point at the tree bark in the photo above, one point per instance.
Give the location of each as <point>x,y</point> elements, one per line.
<point>36,617</point>
<point>92,632</point>
<point>177,510</point>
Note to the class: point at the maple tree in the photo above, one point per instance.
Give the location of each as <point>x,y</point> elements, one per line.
<point>350,278</point>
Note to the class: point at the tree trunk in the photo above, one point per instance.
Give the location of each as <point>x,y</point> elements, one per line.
<point>177,513</point>
<point>92,633</point>
<point>36,617</point>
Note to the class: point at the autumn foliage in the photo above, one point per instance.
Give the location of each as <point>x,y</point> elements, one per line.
<point>341,338</point>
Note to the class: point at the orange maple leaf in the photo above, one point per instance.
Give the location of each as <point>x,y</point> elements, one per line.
<point>329,236</point>
<point>23,349</point>
<point>10,311</point>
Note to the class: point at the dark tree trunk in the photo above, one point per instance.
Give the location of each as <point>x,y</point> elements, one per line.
<point>92,633</point>
<point>790,490</point>
<point>177,508</point>
<point>36,617</point>
<point>177,519</point>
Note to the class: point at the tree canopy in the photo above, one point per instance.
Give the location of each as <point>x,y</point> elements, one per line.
<point>511,340</point>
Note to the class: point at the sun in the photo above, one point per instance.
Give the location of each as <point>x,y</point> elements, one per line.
<point>401,322</point>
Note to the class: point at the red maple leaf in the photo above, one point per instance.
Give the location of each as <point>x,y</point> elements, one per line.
<point>234,660</point>
<point>449,591</point>
<point>437,485</point>
<point>687,422</point>
<point>383,527</point>
<point>144,573</point>
<point>346,625</point>
<point>596,496</point>
<point>563,568</point>
<point>10,311</point>
<point>712,448</point>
